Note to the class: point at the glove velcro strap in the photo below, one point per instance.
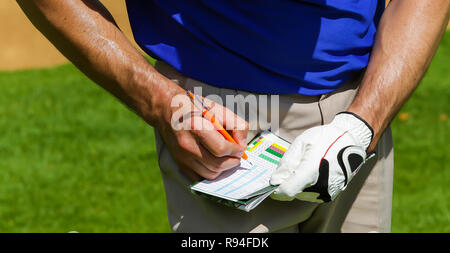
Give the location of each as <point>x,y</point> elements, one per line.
<point>357,126</point>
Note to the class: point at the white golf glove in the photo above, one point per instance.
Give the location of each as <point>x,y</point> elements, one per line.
<point>320,163</point>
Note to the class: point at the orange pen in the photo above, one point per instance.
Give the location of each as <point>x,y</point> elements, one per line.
<point>213,120</point>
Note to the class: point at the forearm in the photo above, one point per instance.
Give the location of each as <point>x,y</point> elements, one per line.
<point>85,32</point>
<point>407,38</point>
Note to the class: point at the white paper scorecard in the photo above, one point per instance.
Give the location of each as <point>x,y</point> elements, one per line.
<point>247,185</point>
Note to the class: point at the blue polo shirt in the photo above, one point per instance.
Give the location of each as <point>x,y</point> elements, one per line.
<point>307,47</point>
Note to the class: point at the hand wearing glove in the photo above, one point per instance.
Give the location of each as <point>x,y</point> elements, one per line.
<point>321,162</point>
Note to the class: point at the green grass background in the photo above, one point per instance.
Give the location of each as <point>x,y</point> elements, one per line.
<point>72,158</point>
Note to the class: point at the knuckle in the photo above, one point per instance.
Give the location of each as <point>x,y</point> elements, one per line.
<point>220,149</point>
<point>245,126</point>
<point>241,124</point>
<point>184,143</point>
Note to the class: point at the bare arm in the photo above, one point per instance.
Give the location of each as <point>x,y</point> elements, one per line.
<point>85,32</point>
<point>407,39</point>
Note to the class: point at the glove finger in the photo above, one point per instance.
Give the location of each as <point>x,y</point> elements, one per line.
<point>297,182</point>
<point>289,162</point>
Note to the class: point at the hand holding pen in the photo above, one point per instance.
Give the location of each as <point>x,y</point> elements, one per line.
<point>207,114</point>
<point>200,152</point>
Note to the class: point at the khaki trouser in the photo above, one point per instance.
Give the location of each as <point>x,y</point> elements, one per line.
<point>365,205</point>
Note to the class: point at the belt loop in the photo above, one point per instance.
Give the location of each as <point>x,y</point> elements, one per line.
<point>320,98</point>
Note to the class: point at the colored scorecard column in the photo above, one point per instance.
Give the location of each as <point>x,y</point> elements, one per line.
<point>256,143</point>
<point>276,150</point>
<point>276,153</point>
<point>269,159</point>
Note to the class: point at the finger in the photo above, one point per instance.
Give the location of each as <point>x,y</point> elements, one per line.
<point>189,172</point>
<point>235,125</point>
<point>241,136</point>
<point>218,164</point>
<point>297,182</point>
<point>289,162</point>
<point>189,148</point>
<point>239,131</point>
<point>189,167</point>
<point>216,144</point>
<point>187,153</point>
<point>195,170</point>
<point>203,171</point>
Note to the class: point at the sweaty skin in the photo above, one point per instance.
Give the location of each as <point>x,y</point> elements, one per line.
<point>407,39</point>
<point>85,32</point>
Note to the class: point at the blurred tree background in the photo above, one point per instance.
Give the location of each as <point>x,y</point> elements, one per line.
<point>72,158</point>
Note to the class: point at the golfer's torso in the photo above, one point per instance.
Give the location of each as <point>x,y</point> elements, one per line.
<point>274,46</point>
